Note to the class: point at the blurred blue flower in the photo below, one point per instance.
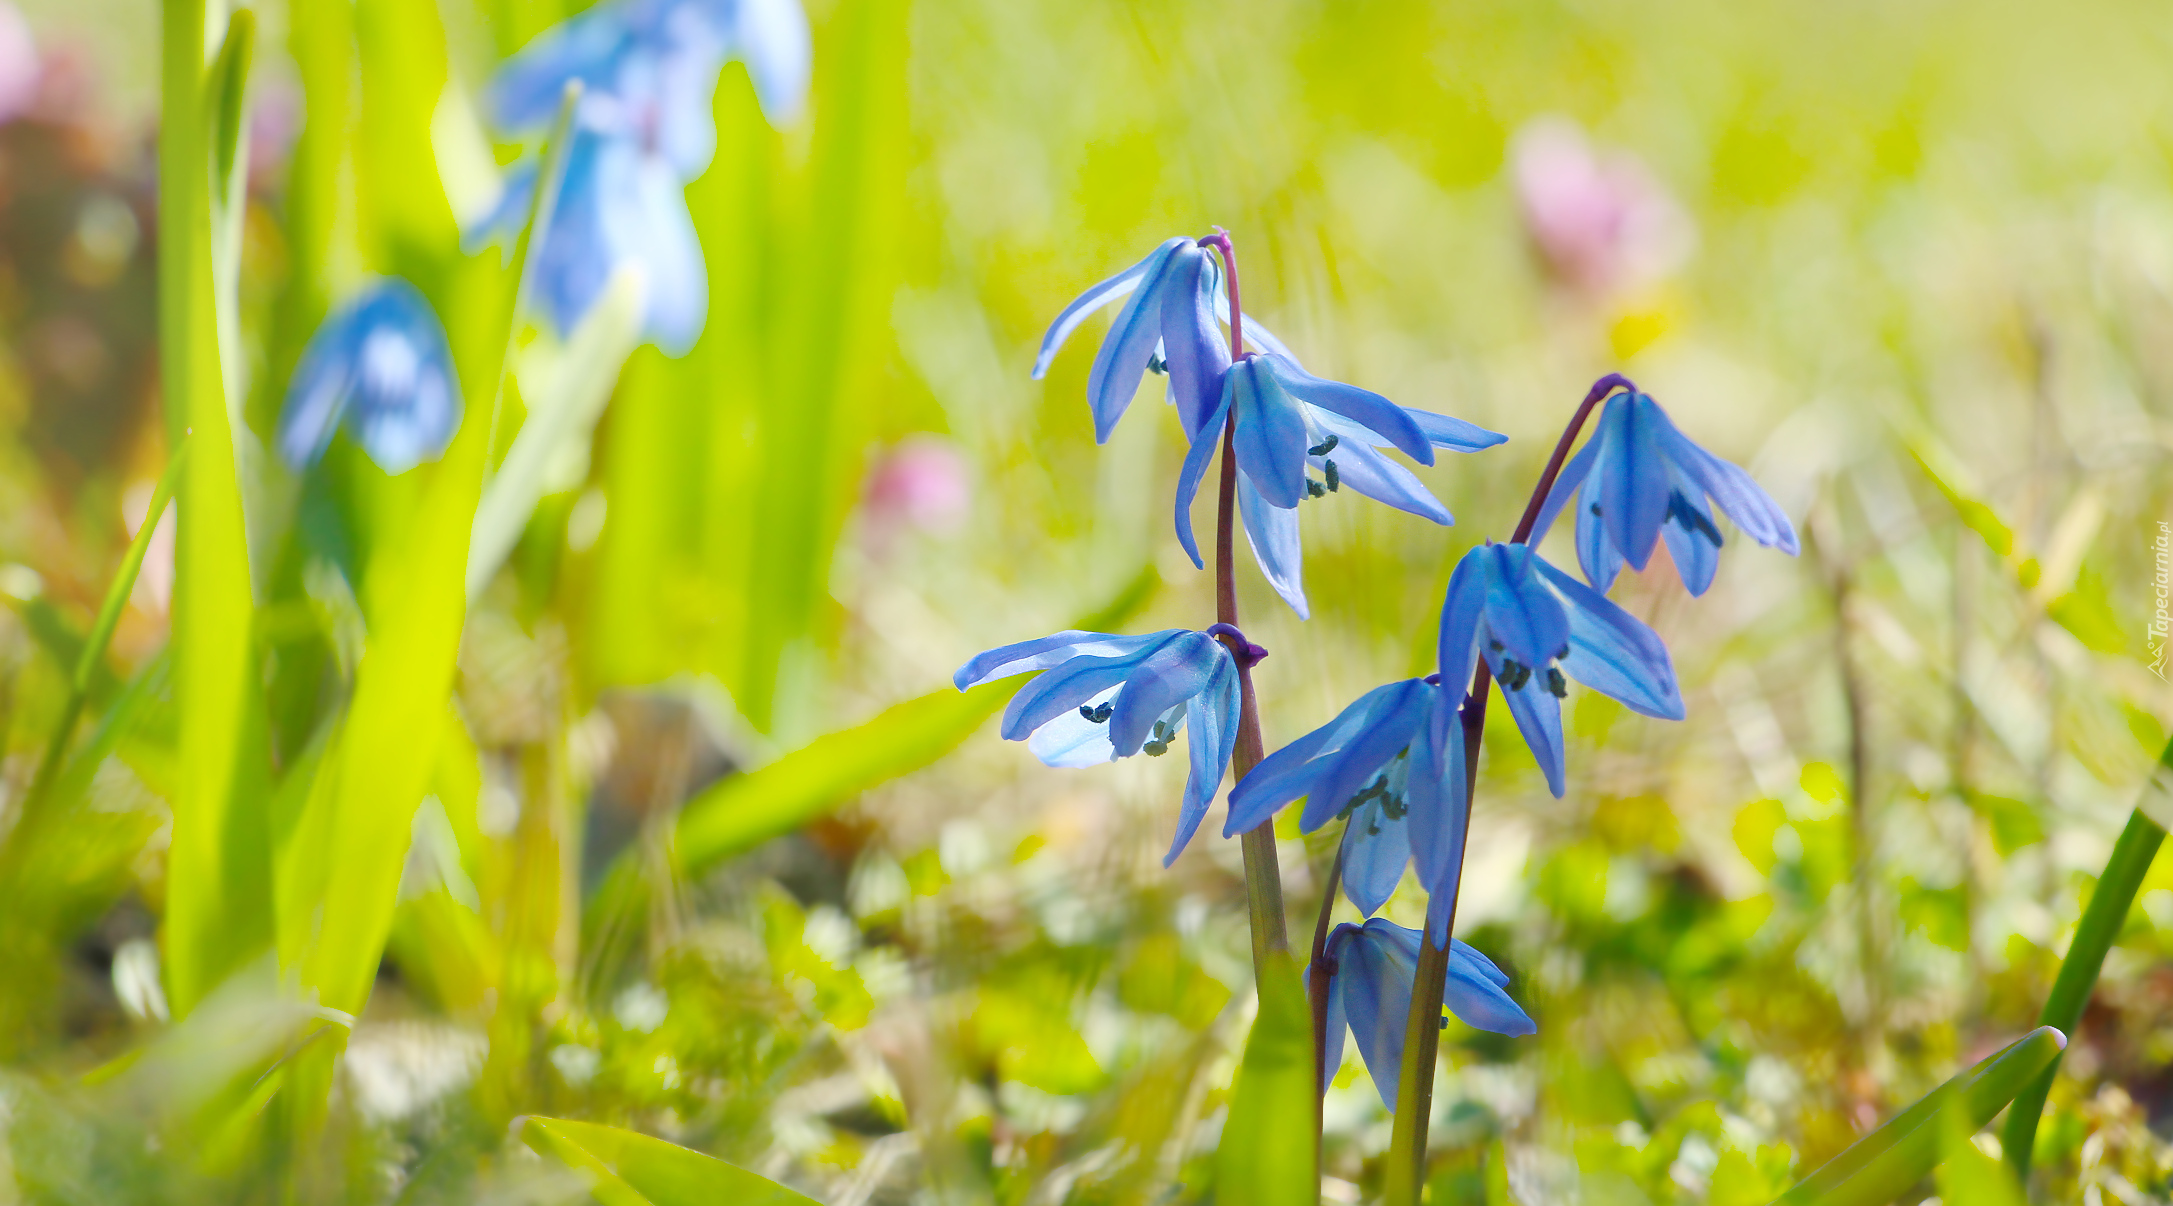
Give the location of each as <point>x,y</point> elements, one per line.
<point>644,127</point>
<point>1369,993</point>
<point>648,70</point>
<point>381,366</point>
<point>1289,421</point>
<point>1638,479</point>
<point>1532,622</point>
<point>1106,697</point>
<point>618,207</point>
<point>1384,762</point>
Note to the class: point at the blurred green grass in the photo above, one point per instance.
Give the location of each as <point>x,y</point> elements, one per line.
<point>1927,302</point>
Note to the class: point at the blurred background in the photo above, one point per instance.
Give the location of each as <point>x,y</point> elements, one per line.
<point>710,848</point>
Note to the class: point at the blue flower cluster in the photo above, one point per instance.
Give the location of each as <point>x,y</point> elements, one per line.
<point>380,367</point>
<point>1396,764</point>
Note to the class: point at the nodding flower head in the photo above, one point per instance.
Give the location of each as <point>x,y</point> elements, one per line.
<point>648,70</point>
<point>1639,479</point>
<point>1535,625</point>
<point>1384,763</point>
<point>1168,324</point>
<point>380,365</point>
<point>1369,994</point>
<point>1106,697</point>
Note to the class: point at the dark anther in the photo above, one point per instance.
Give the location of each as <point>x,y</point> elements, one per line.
<point>1595,508</point>
<point>1157,365</point>
<point>1557,686</point>
<point>1444,1021</point>
<point>1334,479</point>
<point>1496,646</point>
<point>1690,518</point>
<point>1323,448</point>
<point>1155,749</point>
<point>1094,715</point>
<point>1514,674</point>
<point>1393,807</point>
<point>1314,489</point>
<point>1561,653</point>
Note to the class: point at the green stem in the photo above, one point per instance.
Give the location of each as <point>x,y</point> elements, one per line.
<point>101,635</point>
<point>2094,934</point>
<point>542,205</point>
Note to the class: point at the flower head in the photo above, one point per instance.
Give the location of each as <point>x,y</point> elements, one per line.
<point>618,207</point>
<point>1168,324</point>
<point>1533,624</point>
<point>1639,479</point>
<point>380,366</point>
<point>1384,763</point>
<point>1107,697</point>
<point>1369,992</point>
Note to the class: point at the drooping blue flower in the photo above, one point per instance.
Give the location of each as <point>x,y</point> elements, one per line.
<point>1384,762</point>
<point>1106,697</point>
<point>1289,421</point>
<point>1369,993</point>
<point>648,70</point>
<point>643,128</point>
<point>618,207</point>
<point>1533,624</point>
<point>1169,323</point>
<point>379,365</point>
<point>1639,479</point>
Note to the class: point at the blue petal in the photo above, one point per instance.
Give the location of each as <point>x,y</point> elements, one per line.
<point>1204,443</point>
<point>1695,553</point>
<point>1634,491</point>
<point>1094,299</point>
<point>1522,614</point>
<point>1392,723</point>
<point>644,213</point>
<point>1565,484</point>
<point>318,391</point>
<point>404,403</point>
<point>1375,850</point>
<point>1370,473</point>
<point>1331,1052</point>
<point>1192,345</point>
<point>1435,795</point>
<point>1071,740</point>
<point>527,89</point>
<point>1273,534</point>
<point>1211,716</point>
<point>1364,407</point>
<point>1170,673</point>
<point>1478,999</point>
<point>575,256</point>
<point>1377,966</point>
<point>1454,434</point>
<point>1614,652</point>
<point>1067,686</point>
<point>1460,614</point>
<point>1129,345</point>
<point>1022,657</point>
<point>771,37</point>
<point>1539,718</point>
<point>1291,771</point>
<point>1736,493</point>
<point>1271,435</point>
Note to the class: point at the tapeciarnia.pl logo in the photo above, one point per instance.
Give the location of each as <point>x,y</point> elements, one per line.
<point>2162,585</point>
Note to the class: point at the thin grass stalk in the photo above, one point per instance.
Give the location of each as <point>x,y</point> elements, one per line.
<point>1406,1172</point>
<point>2094,935</point>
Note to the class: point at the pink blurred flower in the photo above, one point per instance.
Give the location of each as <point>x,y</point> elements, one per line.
<point>19,65</point>
<point>1600,221</point>
<point>918,485</point>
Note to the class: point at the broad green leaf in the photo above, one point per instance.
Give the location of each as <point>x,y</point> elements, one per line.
<point>1879,1166</point>
<point>627,1168</point>
<point>1267,1153</point>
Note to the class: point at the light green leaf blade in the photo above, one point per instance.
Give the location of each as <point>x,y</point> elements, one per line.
<point>627,1168</point>
<point>1267,1153</point>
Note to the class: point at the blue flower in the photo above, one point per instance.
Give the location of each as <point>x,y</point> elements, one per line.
<point>1169,324</point>
<point>619,207</point>
<point>1385,763</point>
<point>1638,479</point>
<point>648,70</point>
<point>1106,697</point>
<point>1533,623</point>
<point>1289,421</point>
<point>381,366</point>
<point>1369,992</point>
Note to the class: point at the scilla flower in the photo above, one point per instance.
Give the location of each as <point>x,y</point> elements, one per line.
<point>1639,479</point>
<point>1106,697</point>
<point>1289,421</point>
<point>1369,992</point>
<point>1383,763</point>
<point>1533,624</point>
<point>381,366</point>
<point>1169,324</point>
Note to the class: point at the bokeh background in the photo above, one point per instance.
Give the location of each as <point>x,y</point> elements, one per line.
<point>1911,264</point>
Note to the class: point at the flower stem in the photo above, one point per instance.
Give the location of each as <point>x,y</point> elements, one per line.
<point>1406,1172</point>
<point>1263,877</point>
<point>2094,934</point>
<point>1317,975</point>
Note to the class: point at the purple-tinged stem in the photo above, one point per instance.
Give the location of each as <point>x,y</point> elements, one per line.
<point>1422,1029</point>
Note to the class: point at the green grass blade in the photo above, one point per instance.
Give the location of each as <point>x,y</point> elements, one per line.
<point>627,1168</point>
<point>1268,1143</point>
<point>2094,935</point>
<point>1879,1166</point>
